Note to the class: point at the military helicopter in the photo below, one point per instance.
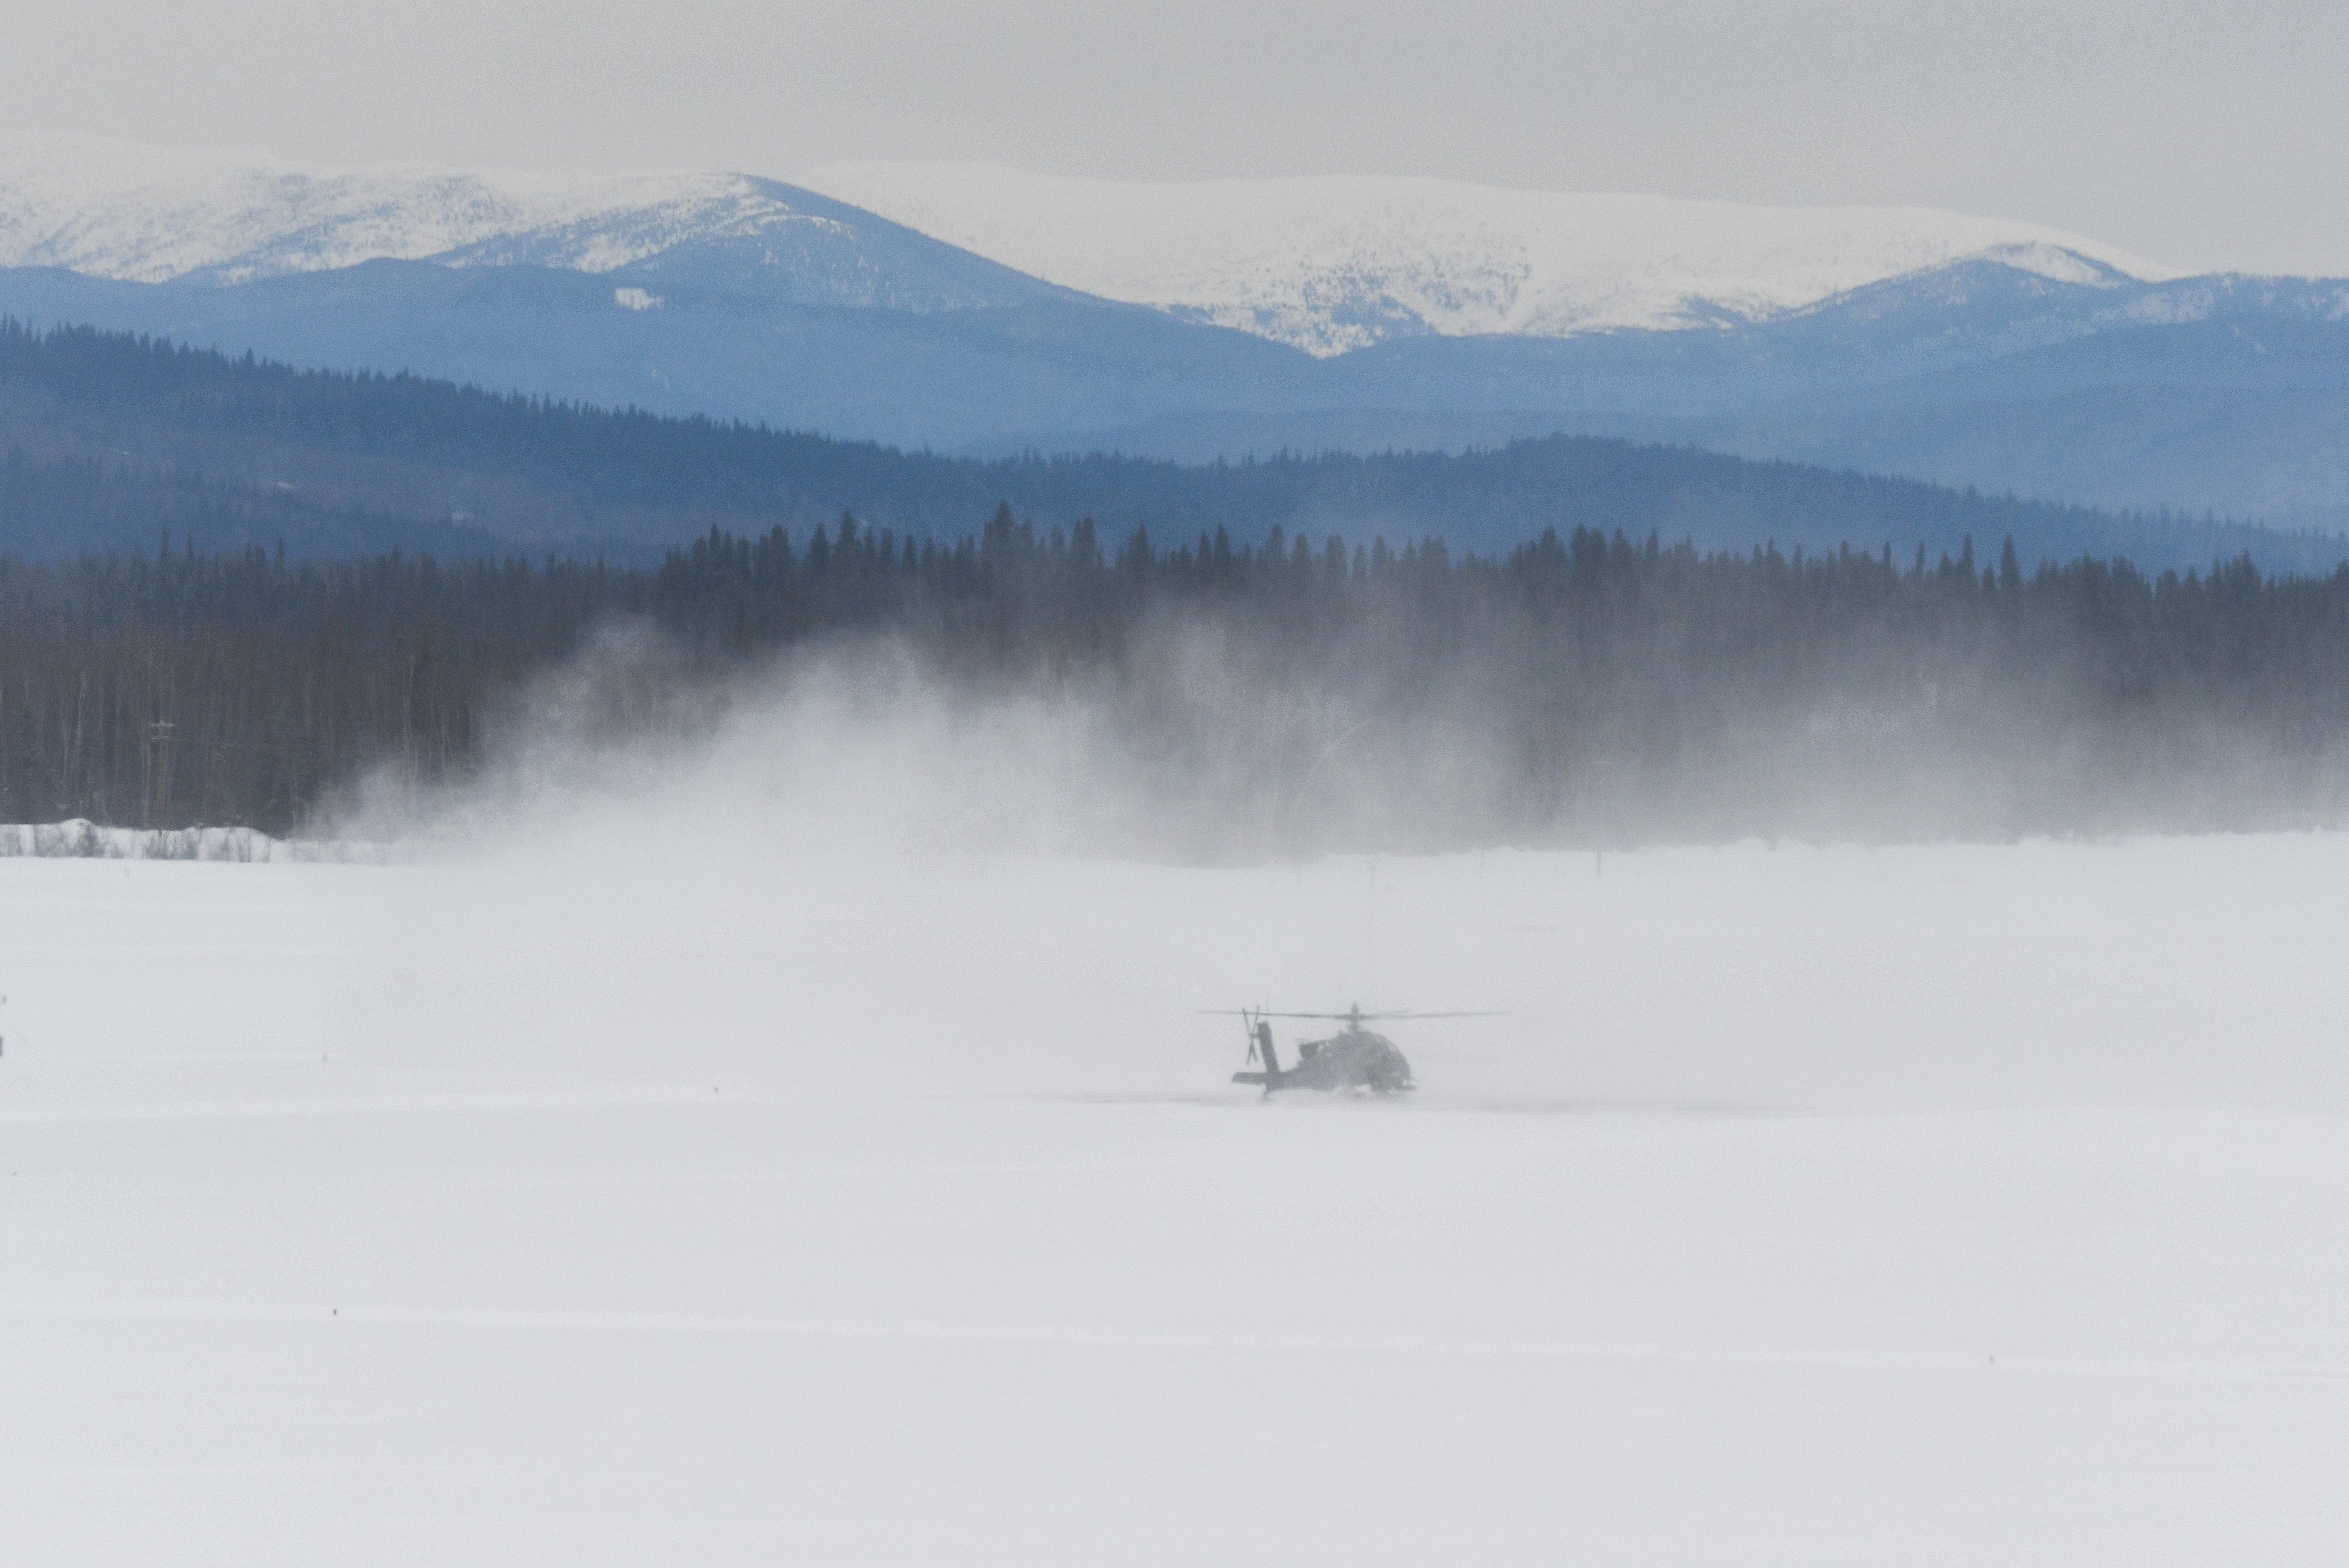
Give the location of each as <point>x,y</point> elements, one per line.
<point>1355,1058</point>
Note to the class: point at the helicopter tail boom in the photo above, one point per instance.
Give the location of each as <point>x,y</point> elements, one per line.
<point>1260,1050</point>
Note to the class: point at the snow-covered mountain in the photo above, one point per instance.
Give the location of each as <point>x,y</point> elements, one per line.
<point>952,306</point>
<point>1324,265</point>
<point>116,211</point>
<point>111,208</point>
<point>1332,265</point>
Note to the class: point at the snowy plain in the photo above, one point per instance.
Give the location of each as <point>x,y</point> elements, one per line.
<point>677,1197</point>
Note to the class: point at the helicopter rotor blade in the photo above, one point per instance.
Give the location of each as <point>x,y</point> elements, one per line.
<point>1480,1013</point>
<point>1259,1013</point>
<point>1340,1017</point>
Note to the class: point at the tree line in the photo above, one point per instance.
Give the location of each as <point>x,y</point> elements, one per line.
<point>1296,693</point>
<point>337,462</point>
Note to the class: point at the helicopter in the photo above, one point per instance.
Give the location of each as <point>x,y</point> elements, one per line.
<point>1355,1058</point>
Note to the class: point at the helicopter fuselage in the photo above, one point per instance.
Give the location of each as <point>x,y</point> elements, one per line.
<point>1353,1059</point>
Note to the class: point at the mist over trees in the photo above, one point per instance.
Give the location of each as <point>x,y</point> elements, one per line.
<point>1300,695</point>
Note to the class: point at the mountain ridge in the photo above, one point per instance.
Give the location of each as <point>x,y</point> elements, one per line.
<point>120,434</point>
<point>1336,263</point>
<point>751,299</point>
<point>1326,264</point>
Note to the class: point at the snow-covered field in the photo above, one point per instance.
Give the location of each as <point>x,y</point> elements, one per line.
<point>663,1201</point>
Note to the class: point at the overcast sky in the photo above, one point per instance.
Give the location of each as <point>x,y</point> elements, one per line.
<point>2199,134</point>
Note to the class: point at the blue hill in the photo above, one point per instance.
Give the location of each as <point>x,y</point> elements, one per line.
<point>2225,394</point>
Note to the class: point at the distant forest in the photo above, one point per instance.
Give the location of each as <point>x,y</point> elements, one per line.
<point>106,438</point>
<point>1298,695</point>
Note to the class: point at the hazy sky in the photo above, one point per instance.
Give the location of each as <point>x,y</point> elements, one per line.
<point>2196,133</point>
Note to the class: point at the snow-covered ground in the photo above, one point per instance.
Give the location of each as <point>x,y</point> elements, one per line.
<point>80,838</point>
<point>673,1198</point>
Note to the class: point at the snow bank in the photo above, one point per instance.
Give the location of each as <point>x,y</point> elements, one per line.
<point>78,838</point>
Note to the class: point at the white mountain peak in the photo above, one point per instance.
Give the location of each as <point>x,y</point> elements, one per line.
<point>114,208</point>
<point>1334,263</point>
<point>1326,264</point>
